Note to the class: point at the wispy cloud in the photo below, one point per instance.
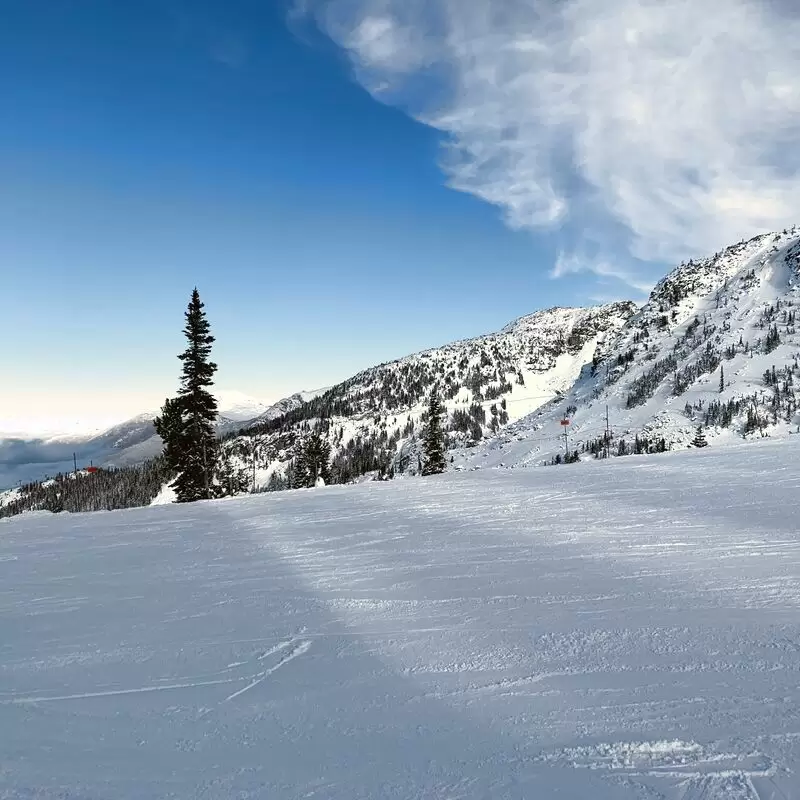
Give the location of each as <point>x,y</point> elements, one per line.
<point>673,121</point>
<point>572,264</point>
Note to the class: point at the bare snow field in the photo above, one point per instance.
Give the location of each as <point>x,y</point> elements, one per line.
<point>606,630</point>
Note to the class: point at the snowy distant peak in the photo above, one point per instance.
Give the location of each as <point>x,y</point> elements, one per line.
<point>558,330</point>
<point>487,367</point>
<point>239,407</point>
<point>132,431</point>
<point>232,408</point>
<point>310,394</point>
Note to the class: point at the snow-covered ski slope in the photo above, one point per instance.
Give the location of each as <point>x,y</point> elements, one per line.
<point>621,629</point>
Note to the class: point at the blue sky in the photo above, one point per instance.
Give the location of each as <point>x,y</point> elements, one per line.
<point>289,161</point>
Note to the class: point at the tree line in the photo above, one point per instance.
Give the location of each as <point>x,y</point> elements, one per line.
<point>103,490</point>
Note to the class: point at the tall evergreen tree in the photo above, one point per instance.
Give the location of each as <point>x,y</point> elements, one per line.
<point>434,442</point>
<point>313,462</point>
<point>700,438</point>
<point>721,379</point>
<point>196,446</point>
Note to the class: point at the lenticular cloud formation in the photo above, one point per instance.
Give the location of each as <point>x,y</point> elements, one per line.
<point>674,120</point>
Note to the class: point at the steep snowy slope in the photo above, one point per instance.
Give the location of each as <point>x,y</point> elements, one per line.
<point>716,345</point>
<point>497,635</point>
<point>373,420</point>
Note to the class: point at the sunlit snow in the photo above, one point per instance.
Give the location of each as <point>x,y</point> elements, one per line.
<point>622,629</point>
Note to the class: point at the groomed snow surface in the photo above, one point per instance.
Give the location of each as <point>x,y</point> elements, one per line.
<point>609,630</point>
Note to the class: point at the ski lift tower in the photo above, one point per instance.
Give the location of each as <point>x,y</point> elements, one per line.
<point>565,423</point>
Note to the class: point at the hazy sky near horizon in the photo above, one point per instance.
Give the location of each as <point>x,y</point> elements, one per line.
<point>348,181</point>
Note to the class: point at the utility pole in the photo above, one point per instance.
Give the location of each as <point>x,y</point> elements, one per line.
<point>608,432</point>
<point>205,470</point>
<point>254,450</point>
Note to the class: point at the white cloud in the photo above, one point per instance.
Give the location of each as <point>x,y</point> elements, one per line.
<point>379,42</point>
<point>37,411</point>
<point>675,121</point>
<point>571,264</point>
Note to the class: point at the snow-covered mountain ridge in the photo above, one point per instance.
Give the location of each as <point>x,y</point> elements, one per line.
<point>373,420</point>
<point>715,345</point>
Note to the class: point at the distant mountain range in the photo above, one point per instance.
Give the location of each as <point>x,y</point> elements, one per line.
<point>129,442</point>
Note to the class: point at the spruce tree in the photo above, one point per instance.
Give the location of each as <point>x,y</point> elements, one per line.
<point>169,427</point>
<point>313,462</point>
<point>196,446</point>
<point>700,438</point>
<point>434,443</point>
<point>721,379</point>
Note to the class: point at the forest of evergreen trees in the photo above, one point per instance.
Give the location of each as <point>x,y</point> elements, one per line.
<point>104,490</point>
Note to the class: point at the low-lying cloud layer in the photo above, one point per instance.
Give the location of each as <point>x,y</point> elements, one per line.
<point>672,122</point>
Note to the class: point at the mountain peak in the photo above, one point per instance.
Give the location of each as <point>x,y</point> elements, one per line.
<point>565,316</point>
<point>714,346</point>
<point>374,419</point>
<point>238,406</point>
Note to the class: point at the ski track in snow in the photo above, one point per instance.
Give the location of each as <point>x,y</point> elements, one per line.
<point>113,693</point>
<point>623,630</point>
<point>296,651</point>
